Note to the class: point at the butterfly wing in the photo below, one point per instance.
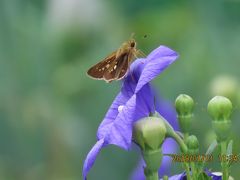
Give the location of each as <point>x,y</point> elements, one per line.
<point>118,68</point>
<point>97,71</point>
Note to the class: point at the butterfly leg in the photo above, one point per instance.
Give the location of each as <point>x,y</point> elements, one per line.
<point>139,53</point>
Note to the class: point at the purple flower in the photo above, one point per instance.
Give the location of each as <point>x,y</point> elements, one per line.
<point>135,100</point>
<point>183,176</point>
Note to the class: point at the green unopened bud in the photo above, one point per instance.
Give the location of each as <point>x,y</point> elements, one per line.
<point>184,106</point>
<point>225,85</point>
<point>192,144</point>
<point>220,109</point>
<point>149,133</point>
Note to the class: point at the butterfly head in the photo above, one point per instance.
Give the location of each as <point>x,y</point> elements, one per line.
<point>132,43</point>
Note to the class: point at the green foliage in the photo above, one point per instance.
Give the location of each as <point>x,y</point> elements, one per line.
<point>50,109</point>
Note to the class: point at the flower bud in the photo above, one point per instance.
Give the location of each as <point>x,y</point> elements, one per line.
<point>192,144</point>
<point>225,85</point>
<point>184,106</point>
<point>220,108</point>
<point>149,133</point>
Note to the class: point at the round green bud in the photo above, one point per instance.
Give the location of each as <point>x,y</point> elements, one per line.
<point>149,133</point>
<point>225,85</point>
<point>184,105</point>
<point>192,144</point>
<point>220,108</point>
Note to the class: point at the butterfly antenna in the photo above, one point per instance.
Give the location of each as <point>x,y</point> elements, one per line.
<point>132,35</point>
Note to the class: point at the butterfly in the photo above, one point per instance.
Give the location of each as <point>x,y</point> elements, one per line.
<point>115,66</point>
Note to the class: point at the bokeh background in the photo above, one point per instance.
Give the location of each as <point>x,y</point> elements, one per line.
<point>50,109</point>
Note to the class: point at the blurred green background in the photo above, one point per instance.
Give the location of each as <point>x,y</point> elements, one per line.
<point>50,109</point>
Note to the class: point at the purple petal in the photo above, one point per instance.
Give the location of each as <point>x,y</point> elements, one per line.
<point>158,60</point>
<point>145,102</point>
<point>214,175</point>
<point>138,173</point>
<point>91,157</point>
<point>120,131</point>
<point>161,51</point>
<point>117,126</point>
<point>169,147</point>
<point>111,115</point>
<point>137,67</point>
<point>167,110</point>
<point>177,177</point>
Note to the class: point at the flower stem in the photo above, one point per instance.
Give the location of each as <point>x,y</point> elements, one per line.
<point>150,175</point>
<point>153,159</point>
<point>193,169</point>
<point>180,141</point>
<point>224,162</point>
<point>186,165</point>
<point>192,165</point>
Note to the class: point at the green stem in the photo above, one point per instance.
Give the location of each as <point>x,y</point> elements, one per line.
<point>185,136</point>
<point>224,162</point>
<point>192,165</point>
<point>193,169</point>
<point>186,165</point>
<point>151,175</point>
<point>153,159</point>
<point>180,141</point>
<point>184,150</point>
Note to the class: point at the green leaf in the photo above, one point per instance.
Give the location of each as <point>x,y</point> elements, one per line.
<point>209,151</point>
<point>211,148</point>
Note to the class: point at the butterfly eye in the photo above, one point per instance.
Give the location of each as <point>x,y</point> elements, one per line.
<point>132,44</point>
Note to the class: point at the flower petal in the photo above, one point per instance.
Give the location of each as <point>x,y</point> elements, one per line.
<point>145,102</point>
<point>177,177</point>
<point>167,110</point>
<point>120,131</point>
<point>111,115</point>
<point>214,175</point>
<point>158,60</point>
<point>169,147</point>
<point>116,127</point>
<point>138,173</point>
<point>91,157</point>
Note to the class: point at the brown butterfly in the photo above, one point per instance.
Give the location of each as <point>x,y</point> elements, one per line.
<point>116,65</point>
